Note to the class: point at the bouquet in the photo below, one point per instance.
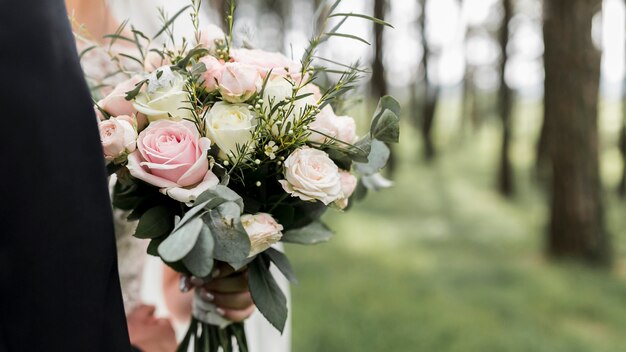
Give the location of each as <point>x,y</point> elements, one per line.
<point>221,152</point>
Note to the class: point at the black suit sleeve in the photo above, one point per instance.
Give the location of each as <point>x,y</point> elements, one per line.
<point>59,287</point>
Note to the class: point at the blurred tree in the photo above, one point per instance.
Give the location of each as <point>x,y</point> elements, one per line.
<point>470,112</point>
<point>219,6</point>
<point>430,91</point>
<point>379,83</point>
<point>622,143</point>
<point>572,66</point>
<point>505,101</point>
<point>279,12</point>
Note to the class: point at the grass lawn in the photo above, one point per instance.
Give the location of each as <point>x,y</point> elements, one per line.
<point>441,263</point>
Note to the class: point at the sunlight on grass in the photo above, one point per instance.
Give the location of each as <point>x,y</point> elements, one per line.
<point>441,263</point>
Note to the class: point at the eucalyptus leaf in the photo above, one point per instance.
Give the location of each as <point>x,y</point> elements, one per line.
<point>191,214</point>
<point>177,245</point>
<point>232,244</point>
<point>200,260</point>
<point>223,192</point>
<point>266,294</point>
<point>378,158</point>
<point>388,128</point>
<point>155,222</point>
<point>282,263</point>
<point>314,233</point>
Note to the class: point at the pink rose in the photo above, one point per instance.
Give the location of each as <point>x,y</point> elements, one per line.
<point>327,124</point>
<point>239,82</point>
<point>263,231</point>
<point>213,74</point>
<point>118,137</point>
<point>115,103</point>
<point>210,37</point>
<point>265,61</point>
<point>348,185</point>
<point>311,175</point>
<point>172,156</point>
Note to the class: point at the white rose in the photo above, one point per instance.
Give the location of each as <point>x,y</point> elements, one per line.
<point>348,186</point>
<point>118,136</point>
<point>311,175</point>
<point>229,126</point>
<point>327,124</point>
<point>165,97</point>
<point>263,231</point>
<point>279,90</point>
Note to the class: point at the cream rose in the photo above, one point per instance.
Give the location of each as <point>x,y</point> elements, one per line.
<point>348,186</point>
<point>118,136</point>
<point>263,231</point>
<point>327,124</point>
<point>238,82</point>
<point>172,156</point>
<point>165,97</point>
<point>229,126</point>
<point>311,175</point>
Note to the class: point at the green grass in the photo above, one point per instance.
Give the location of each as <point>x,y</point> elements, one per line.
<point>442,263</point>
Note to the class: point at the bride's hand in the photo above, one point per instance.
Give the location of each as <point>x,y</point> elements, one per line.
<point>148,333</point>
<point>230,293</point>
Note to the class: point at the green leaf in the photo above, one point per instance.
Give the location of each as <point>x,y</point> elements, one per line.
<point>266,294</point>
<point>167,24</point>
<point>386,122</point>
<point>192,213</point>
<point>388,128</point>
<point>340,158</point>
<point>155,222</point>
<point>349,36</point>
<point>200,260</point>
<point>177,245</point>
<point>130,95</point>
<point>282,263</point>
<point>153,246</point>
<point>361,149</point>
<point>379,155</point>
<point>370,18</point>
<point>232,244</point>
<point>314,233</point>
<point>223,192</point>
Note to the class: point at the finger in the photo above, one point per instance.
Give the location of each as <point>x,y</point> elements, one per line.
<point>144,311</point>
<point>236,316</point>
<point>236,301</point>
<point>233,284</point>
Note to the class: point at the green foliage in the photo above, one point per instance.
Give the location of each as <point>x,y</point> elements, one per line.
<point>199,260</point>
<point>313,233</point>
<point>156,222</point>
<point>282,263</point>
<point>266,294</point>
<point>178,245</point>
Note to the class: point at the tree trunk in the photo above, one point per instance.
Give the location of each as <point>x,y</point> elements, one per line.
<point>622,144</point>
<point>505,173</point>
<point>572,66</point>
<point>219,6</point>
<point>431,92</point>
<point>379,83</point>
<point>622,148</point>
